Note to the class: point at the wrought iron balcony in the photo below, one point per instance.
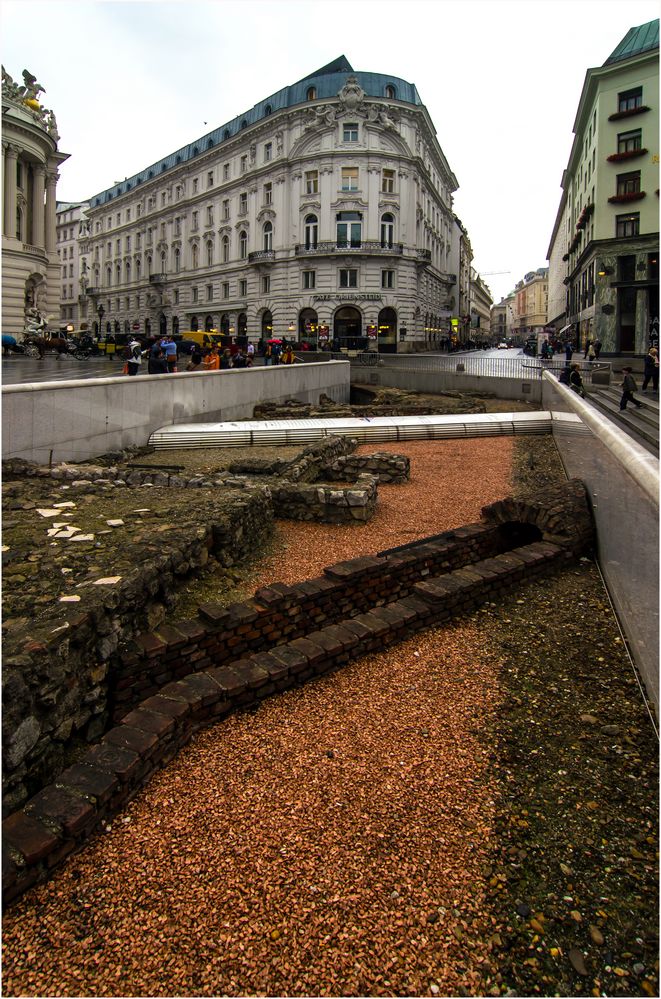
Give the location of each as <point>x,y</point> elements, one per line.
<point>261,257</point>
<point>93,291</point>
<point>366,246</point>
<point>158,278</point>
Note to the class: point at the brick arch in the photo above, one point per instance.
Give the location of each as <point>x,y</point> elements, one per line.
<point>561,514</point>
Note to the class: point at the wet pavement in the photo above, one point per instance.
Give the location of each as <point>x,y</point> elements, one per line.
<point>20,370</point>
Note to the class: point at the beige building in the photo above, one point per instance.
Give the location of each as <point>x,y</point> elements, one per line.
<point>323,213</point>
<point>30,276</point>
<point>530,306</point>
<point>605,240</point>
<point>72,243</point>
<point>481,303</point>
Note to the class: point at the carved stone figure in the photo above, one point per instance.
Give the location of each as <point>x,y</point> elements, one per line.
<point>352,94</point>
<point>32,89</point>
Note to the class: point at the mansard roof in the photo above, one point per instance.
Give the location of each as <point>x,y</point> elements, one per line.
<point>327,82</point>
<point>644,38</point>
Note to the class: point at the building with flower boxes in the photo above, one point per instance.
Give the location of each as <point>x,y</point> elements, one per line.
<point>604,250</point>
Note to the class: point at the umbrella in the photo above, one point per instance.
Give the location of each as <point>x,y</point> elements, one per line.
<point>274,341</point>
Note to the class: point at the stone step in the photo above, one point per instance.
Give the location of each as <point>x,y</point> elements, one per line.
<point>642,425</point>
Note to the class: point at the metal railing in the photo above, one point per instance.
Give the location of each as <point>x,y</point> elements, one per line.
<point>528,368</point>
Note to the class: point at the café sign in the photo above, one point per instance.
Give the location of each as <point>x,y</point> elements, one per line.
<point>347,298</point>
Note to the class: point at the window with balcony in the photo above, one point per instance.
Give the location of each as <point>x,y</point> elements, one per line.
<point>349,178</point>
<point>350,132</point>
<point>243,203</point>
<point>387,230</point>
<point>268,152</point>
<point>628,142</point>
<point>388,181</point>
<point>268,194</point>
<point>267,233</point>
<point>266,284</point>
<point>348,278</point>
<point>628,183</point>
<point>243,245</point>
<point>628,100</point>
<point>225,249</point>
<point>311,232</point>
<point>164,262</point>
<point>349,229</point>
<point>627,225</point>
<point>309,280</point>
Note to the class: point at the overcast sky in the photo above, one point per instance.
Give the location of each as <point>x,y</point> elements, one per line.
<point>132,81</point>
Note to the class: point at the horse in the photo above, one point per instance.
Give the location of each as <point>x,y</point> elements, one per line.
<point>36,346</point>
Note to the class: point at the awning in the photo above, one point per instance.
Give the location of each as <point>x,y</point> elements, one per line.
<point>565,328</point>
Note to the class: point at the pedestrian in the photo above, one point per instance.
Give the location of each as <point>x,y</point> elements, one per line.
<point>569,350</point>
<point>276,352</point>
<point>169,347</point>
<point>225,360</point>
<point>651,370</point>
<point>288,356</point>
<point>211,360</point>
<point>250,352</point>
<point>157,364</point>
<point>563,377</point>
<point>135,357</point>
<point>268,354</point>
<point>592,356</point>
<point>575,380</point>
<point>195,363</point>
<point>239,360</point>
<point>597,349</point>
<point>628,385</point>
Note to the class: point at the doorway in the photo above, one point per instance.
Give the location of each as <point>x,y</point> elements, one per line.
<point>347,329</point>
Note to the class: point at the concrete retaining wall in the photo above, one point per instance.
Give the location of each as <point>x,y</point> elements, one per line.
<point>527,390</point>
<point>78,420</point>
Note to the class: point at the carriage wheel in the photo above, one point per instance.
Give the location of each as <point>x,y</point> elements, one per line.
<point>31,350</point>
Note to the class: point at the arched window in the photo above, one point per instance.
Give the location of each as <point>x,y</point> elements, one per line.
<point>118,274</point>
<point>268,110</point>
<point>175,325</point>
<point>244,123</point>
<point>311,94</point>
<point>209,143</point>
<point>194,255</point>
<point>127,326</point>
<point>164,259</point>
<point>128,271</point>
<point>177,261</point>
<point>243,245</point>
<point>19,223</point>
<point>267,324</point>
<point>226,249</point>
<point>194,323</point>
<point>387,229</point>
<point>209,253</point>
<point>137,269</point>
<point>268,235</point>
<point>149,262</point>
<point>242,324</point>
<point>109,276</point>
<point>226,133</point>
<point>311,232</point>
<point>391,92</point>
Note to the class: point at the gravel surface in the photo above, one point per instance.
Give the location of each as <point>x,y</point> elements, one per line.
<point>398,827</point>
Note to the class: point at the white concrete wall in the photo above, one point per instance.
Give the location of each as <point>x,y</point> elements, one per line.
<point>527,390</point>
<point>77,420</point>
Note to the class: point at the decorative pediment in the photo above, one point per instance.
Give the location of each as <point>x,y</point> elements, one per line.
<point>266,215</point>
<point>349,205</point>
<point>242,225</point>
<point>225,230</point>
<point>208,234</point>
<point>389,205</point>
<point>162,245</point>
<point>309,206</point>
<point>352,97</point>
<point>194,240</point>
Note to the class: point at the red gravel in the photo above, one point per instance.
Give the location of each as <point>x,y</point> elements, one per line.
<point>335,842</point>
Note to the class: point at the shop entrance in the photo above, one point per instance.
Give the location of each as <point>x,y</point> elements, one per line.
<point>387,331</point>
<point>348,329</point>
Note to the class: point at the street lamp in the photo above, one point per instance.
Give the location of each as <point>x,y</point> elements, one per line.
<point>100,312</point>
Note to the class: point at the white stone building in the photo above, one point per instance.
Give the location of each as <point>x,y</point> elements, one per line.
<point>72,243</point>
<point>323,213</point>
<point>30,159</point>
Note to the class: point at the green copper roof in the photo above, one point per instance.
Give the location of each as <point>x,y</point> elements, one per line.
<point>636,41</point>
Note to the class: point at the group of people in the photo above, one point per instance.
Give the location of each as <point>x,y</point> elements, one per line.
<point>276,353</point>
<point>571,376</point>
<point>592,350</point>
<point>162,357</point>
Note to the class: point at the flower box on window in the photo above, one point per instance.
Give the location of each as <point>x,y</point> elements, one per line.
<point>631,154</point>
<point>623,199</point>
<point>628,114</point>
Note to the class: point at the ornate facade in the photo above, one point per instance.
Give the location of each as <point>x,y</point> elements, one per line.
<point>72,246</point>
<point>323,213</point>
<point>30,274</point>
